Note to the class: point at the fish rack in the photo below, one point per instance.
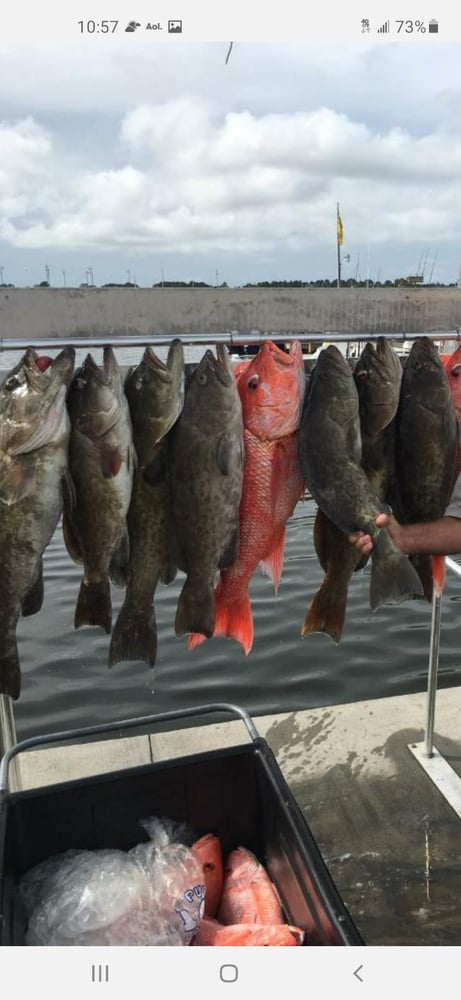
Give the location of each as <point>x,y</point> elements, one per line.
<point>431,760</point>
<point>231,339</point>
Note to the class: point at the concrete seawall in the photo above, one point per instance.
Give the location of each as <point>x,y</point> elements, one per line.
<point>32,313</point>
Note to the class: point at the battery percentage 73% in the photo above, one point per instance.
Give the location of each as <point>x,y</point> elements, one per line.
<point>411,26</point>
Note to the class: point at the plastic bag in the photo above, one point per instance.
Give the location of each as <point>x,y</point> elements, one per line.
<point>150,895</point>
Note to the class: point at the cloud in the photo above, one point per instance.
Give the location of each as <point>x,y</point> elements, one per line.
<point>193,179</point>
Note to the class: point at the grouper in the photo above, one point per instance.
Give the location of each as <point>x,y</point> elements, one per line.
<point>330,452</point>
<point>34,434</point>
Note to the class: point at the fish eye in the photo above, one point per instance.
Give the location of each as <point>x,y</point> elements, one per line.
<point>253,382</point>
<point>202,378</point>
<point>456,371</point>
<point>12,383</point>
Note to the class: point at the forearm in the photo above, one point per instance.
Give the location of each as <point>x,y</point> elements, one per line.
<point>441,537</point>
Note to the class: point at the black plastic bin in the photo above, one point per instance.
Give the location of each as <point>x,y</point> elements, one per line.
<point>238,793</point>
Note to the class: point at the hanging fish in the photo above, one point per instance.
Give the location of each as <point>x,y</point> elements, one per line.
<point>34,434</point>
<point>101,464</point>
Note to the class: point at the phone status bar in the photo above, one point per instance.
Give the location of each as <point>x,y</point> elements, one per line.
<point>242,23</point>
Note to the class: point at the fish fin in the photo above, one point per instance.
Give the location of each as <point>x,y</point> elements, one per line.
<point>69,493</point>
<point>393,578</point>
<point>33,600</point>
<point>234,620</point>
<point>134,636</point>
<point>273,563</point>
<point>225,455</point>
<point>423,567</point>
<point>119,562</point>
<point>195,639</point>
<point>111,461</point>
<point>327,611</point>
<point>94,605</point>
<point>17,480</point>
<point>231,552</point>
<point>10,673</point>
<point>438,573</point>
<point>168,572</point>
<point>44,432</point>
<point>196,610</point>
<point>70,539</point>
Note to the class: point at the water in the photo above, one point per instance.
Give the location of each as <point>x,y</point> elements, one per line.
<point>66,681</point>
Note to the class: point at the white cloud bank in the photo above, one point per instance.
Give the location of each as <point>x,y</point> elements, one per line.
<point>195,180</point>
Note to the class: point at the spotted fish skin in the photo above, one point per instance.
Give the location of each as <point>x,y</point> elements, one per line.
<point>34,435</point>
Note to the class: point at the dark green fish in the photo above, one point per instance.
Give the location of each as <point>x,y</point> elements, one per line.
<point>155,394</point>
<point>205,454</point>
<point>101,464</point>
<point>330,452</point>
<point>377,376</point>
<point>426,444</point>
<point>34,434</point>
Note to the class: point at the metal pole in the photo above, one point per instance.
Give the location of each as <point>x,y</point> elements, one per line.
<point>231,338</point>
<point>8,738</point>
<point>7,726</point>
<point>432,673</point>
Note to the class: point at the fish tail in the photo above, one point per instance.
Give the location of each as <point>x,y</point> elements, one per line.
<point>94,605</point>
<point>438,573</point>
<point>327,612</point>
<point>393,578</point>
<point>10,672</point>
<point>234,619</point>
<point>134,636</point>
<point>195,639</point>
<point>424,567</point>
<point>196,610</point>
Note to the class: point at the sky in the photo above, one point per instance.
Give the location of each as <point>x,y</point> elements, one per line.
<point>124,161</point>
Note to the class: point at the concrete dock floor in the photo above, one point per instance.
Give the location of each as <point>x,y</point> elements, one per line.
<point>391,841</point>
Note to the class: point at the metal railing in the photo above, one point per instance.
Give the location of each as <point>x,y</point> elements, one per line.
<point>232,338</point>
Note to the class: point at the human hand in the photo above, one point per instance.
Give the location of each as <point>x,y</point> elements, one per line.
<point>363,542</point>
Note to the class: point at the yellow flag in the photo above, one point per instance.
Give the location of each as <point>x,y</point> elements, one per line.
<point>339,229</point>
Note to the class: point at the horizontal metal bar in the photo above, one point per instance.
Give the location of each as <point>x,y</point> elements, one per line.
<point>232,338</point>
<point>35,742</point>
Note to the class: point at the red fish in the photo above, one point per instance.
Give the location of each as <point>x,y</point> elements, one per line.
<point>271,389</point>
<point>248,896</point>
<point>452,364</point>
<point>208,850</point>
<point>210,932</point>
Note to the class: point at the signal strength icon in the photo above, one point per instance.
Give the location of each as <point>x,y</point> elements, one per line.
<point>385,28</point>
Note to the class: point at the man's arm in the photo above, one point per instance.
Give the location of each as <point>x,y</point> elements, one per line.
<point>436,538</point>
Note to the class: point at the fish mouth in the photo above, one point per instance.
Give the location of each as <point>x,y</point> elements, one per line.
<point>373,359</point>
<point>286,360</point>
<point>156,365</point>
<point>424,354</point>
<point>220,366</point>
<point>41,369</point>
<point>101,374</point>
<point>167,371</point>
<point>332,357</point>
